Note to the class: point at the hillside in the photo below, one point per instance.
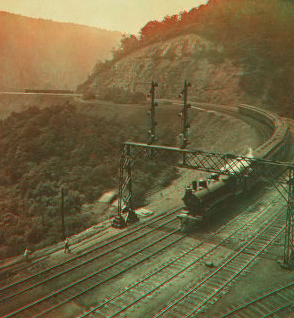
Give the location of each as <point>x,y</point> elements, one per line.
<point>76,146</point>
<point>231,51</point>
<point>38,53</point>
<point>43,150</point>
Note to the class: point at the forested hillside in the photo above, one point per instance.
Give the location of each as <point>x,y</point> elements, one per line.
<point>42,151</point>
<point>232,51</point>
<point>38,53</point>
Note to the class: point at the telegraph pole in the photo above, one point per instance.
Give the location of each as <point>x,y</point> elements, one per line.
<point>184,115</point>
<point>62,214</point>
<point>151,113</point>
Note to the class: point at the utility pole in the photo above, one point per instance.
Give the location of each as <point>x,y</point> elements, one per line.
<point>151,113</point>
<point>184,115</point>
<point>289,235</point>
<point>62,214</point>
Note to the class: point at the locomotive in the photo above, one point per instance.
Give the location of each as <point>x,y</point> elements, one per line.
<point>203,197</point>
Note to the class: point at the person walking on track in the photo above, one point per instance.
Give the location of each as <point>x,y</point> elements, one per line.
<point>26,255</point>
<point>66,246</point>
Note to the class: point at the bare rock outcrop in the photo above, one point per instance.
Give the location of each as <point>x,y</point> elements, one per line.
<point>214,78</point>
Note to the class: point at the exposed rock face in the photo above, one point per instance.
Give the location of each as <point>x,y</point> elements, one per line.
<point>213,78</point>
<point>40,54</point>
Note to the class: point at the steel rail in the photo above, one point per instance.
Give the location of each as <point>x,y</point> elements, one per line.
<point>90,251</point>
<point>278,309</point>
<point>173,261</point>
<point>260,298</point>
<point>236,274</point>
<point>83,263</point>
<point>54,293</point>
<point>96,248</point>
<point>225,226</point>
<point>178,300</point>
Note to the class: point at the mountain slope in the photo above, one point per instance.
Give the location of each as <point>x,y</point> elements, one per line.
<point>169,63</point>
<point>38,53</point>
<point>230,51</point>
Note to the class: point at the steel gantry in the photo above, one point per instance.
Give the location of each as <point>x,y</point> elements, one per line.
<point>225,164</point>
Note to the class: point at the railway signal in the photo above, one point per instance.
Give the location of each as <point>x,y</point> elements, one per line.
<point>152,114</point>
<point>184,115</point>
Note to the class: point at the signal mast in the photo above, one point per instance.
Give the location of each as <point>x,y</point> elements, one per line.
<point>152,113</point>
<point>185,116</point>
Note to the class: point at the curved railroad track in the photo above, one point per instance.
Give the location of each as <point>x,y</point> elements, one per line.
<point>48,292</point>
<point>262,130</point>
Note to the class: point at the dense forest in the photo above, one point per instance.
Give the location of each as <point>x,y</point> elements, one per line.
<point>44,151</point>
<point>255,35</point>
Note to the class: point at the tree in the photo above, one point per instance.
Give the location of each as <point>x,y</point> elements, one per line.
<point>148,32</point>
<point>129,43</point>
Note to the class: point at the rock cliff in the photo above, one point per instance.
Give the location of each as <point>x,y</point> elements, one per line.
<point>214,78</point>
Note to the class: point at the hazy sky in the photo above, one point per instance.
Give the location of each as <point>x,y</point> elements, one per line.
<point>121,15</point>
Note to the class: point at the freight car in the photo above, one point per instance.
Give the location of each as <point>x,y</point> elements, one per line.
<point>203,198</point>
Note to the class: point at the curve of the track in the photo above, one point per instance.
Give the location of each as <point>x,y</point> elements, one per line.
<point>263,131</point>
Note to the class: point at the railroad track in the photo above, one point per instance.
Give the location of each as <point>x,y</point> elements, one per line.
<point>206,291</point>
<point>61,296</point>
<point>261,129</point>
<point>39,256</point>
<point>15,293</point>
<point>275,303</point>
<point>272,304</point>
<point>44,300</point>
<point>114,305</point>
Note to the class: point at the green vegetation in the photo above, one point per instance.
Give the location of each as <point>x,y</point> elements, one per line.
<point>58,147</point>
<point>255,35</point>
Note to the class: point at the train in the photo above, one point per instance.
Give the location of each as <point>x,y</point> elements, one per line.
<point>204,197</point>
<point>49,91</point>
